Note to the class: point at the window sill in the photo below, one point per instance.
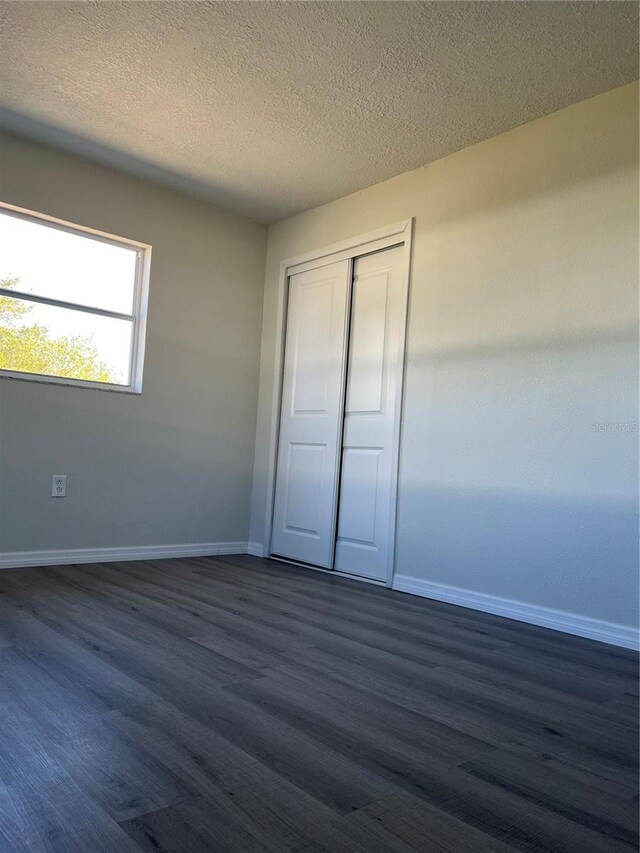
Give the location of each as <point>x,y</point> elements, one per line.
<point>69,383</point>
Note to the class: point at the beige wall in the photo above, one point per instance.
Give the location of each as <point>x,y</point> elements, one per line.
<point>522,340</point>
<point>174,465</point>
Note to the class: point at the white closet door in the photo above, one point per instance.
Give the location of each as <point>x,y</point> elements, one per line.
<point>368,481</point>
<point>311,420</point>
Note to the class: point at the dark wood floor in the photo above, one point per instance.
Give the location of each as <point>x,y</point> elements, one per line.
<point>243,705</point>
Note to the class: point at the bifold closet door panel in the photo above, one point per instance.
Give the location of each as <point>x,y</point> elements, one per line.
<point>367,480</point>
<point>304,515</point>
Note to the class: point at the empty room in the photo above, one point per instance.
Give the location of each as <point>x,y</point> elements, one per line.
<point>319,426</point>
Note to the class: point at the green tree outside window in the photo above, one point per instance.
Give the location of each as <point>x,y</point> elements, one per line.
<point>30,347</point>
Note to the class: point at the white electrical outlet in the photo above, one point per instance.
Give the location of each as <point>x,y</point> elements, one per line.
<point>59,486</point>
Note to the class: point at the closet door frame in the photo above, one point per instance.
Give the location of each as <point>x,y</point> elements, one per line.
<point>398,234</point>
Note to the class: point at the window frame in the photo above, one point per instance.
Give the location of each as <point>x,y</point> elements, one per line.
<point>138,317</point>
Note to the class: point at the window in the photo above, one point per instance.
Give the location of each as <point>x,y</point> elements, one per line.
<point>73,303</point>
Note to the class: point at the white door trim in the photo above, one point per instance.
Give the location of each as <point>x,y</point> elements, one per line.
<point>399,233</point>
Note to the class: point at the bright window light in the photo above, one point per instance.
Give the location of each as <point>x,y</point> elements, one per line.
<point>73,303</point>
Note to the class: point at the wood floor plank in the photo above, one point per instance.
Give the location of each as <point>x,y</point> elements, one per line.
<point>500,719</point>
<point>562,791</point>
<point>238,704</point>
<point>423,772</point>
<point>196,826</point>
<point>284,813</point>
<point>42,808</point>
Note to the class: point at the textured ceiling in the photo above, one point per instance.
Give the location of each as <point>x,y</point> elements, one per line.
<point>272,108</point>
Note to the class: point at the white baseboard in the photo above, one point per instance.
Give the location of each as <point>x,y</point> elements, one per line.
<point>255,549</point>
<point>18,559</point>
<point>559,620</point>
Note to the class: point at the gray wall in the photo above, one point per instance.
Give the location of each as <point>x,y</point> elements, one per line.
<point>174,465</point>
<point>522,341</point>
